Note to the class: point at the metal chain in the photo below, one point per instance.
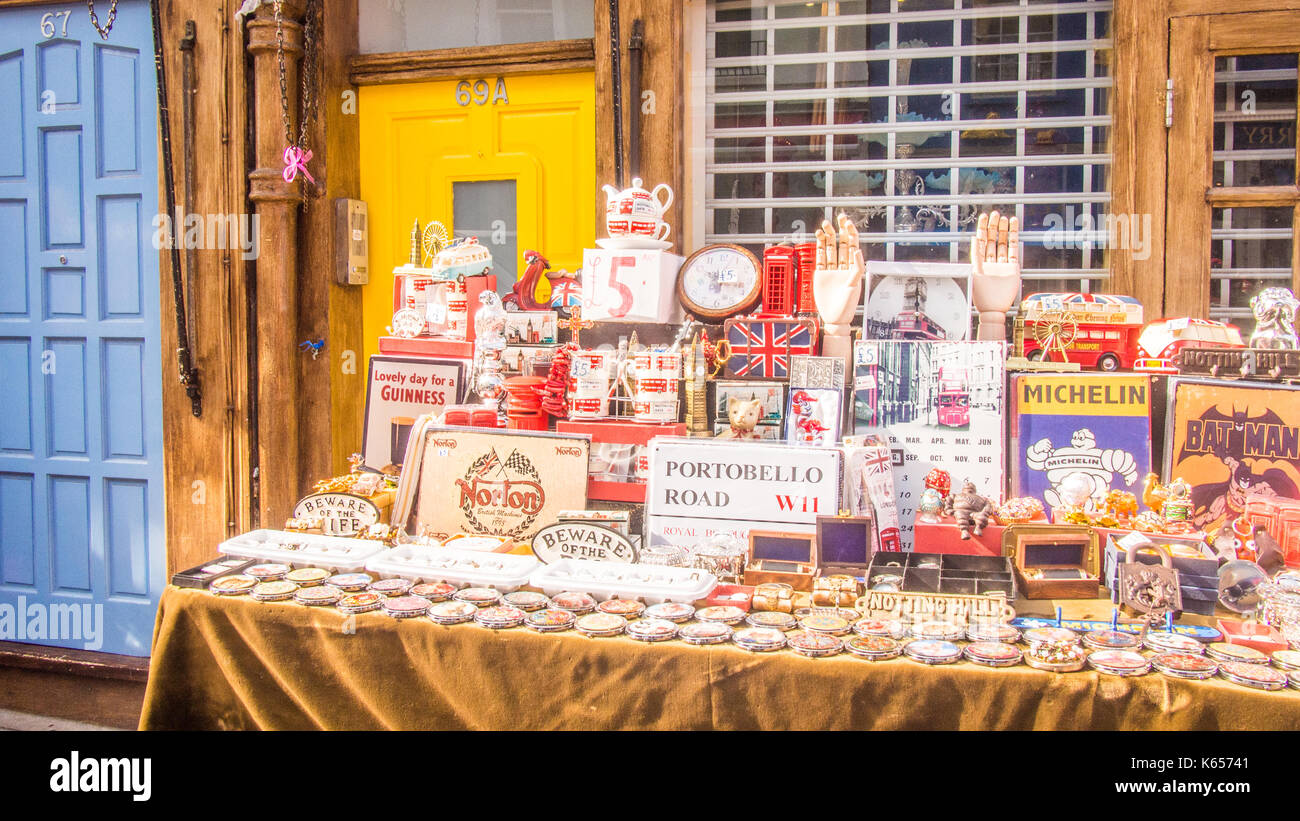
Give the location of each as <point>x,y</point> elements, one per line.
<point>94,20</point>
<point>284,83</point>
<point>310,38</point>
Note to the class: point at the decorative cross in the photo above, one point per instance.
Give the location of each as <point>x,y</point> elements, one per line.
<point>575,323</point>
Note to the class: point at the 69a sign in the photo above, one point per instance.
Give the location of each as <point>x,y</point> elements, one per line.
<point>477,92</point>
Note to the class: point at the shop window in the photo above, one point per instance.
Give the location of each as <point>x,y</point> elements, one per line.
<point>417,25</point>
<point>912,116</point>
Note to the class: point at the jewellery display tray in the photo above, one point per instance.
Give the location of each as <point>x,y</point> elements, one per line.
<point>505,572</point>
<point>328,552</point>
<point>649,583</point>
<point>957,574</point>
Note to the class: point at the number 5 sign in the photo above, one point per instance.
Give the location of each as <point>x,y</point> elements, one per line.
<point>630,286</point>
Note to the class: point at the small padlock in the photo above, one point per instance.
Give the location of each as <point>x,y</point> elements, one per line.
<point>1145,588</point>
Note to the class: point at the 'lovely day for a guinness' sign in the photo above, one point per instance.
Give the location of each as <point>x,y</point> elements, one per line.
<point>340,514</point>
<point>582,541</point>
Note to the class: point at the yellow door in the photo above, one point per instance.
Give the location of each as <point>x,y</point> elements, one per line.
<point>424,144</point>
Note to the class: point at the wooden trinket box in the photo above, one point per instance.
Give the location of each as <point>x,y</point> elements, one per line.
<point>781,557</point>
<point>844,545</point>
<point>1054,561</point>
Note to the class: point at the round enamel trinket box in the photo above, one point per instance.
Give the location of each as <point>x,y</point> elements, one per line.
<point>758,639</point>
<point>652,630</point>
<point>1184,665</point>
<point>993,653</point>
<point>600,625</point>
<point>1119,662</point>
<point>452,612</point>
<point>550,620</point>
<point>873,648</point>
<point>236,585</point>
<point>704,632</point>
<point>814,645</point>
<point>279,590</point>
<point>671,610</point>
<point>932,651</point>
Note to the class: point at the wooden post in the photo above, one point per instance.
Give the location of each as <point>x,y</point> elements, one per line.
<point>276,203</point>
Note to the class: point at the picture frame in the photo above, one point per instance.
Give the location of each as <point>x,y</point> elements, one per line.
<point>399,390</point>
<point>813,417</point>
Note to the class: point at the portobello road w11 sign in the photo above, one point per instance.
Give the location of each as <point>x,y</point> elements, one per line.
<point>733,486</point>
<point>582,541</point>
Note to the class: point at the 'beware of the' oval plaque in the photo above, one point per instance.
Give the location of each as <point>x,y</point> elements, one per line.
<point>582,541</point>
<point>341,514</point>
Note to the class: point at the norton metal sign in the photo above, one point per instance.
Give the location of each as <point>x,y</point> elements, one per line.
<point>582,541</point>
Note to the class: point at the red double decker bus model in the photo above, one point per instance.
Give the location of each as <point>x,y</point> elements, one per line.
<point>953,400</point>
<point>1098,331</point>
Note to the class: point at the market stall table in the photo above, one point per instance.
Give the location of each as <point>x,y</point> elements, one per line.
<point>240,664</point>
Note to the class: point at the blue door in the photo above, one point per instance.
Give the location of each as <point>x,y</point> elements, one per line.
<point>81,464</point>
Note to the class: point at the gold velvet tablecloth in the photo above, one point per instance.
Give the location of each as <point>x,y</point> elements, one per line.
<point>240,664</point>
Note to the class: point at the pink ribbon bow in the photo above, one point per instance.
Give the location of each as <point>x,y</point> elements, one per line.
<point>295,160</point>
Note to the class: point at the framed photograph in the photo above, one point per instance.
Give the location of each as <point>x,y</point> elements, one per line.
<point>769,432</point>
<point>771,394</point>
<point>813,417</point>
<point>399,389</point>
<point>530,327</point>
<point>524,359</point>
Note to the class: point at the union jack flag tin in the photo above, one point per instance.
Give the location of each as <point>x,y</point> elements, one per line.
<point>814,645</point>
<point>932,651</point>
<point>671,610</point>
<point>724,613</point>
<point>772,618</point>
<point>236,585</point>
<point>758,639</point>
<point>268,572</point>
<point>307,576</point>
<point>993,653</point>
<point>627,608</point>
<point>938,630</point>
<point>1110,640</point>
<point>993,631</point>
<point>1119,662</point>
<point>1258,676</point>
<point>761,347</point>
<point>362,602</point>
<point>873,648</point>
<point>825,623</point>
<point>600,625</point>
<point>317,595</point>
<point>500,617</point>
<point>526,600</point>
<point>451,612</point>
<point>478,596</point>
<point>278,590</point>
<point>434,591</point>
<point>704,632</point>
<point>1164,640</point>
<point>574,602</point>
<point>889,628</point>
<point>1224,651</point>
<point>406,607</point>
<point>391,587</point>
<point>1051,635</point>
<point>1286,659</point>
<point>1184,665</point>
<point>351,582</point>
<point>550,620</point>
<point>652,630</point>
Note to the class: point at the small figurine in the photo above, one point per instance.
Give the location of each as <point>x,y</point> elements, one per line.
<point>1177,506</point>
<point>536,286</point>
<point>743,414</point>
<point>940,481</point>
<point>1275,311</point>
<point>930,505</point>
<point>995,255</point>
<point>837,284</point>
<point>971,510</point>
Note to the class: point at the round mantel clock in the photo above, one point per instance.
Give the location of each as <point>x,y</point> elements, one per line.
<point>719,281</point>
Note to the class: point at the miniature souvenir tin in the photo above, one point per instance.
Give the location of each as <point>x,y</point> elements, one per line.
<point>318,594</point>
<point>938,630</point>
<point>932,651</point>
<point>1119,662</point>
<point>873,648</point>
<point>1258,676</point>
<point>1058,658</point>
<point>1051,635</point>
<point>627,608</point>
<point>724,613</point>
<point>500,617</point>
<point>1184,665</point>
<point>351,582</point>
<point>671,610</point>
<point>772,618</point>
<point>652,630</point>
<point>814,645</point>
<point>758,639</point>
<point>704,632</point>
<point>550,620</point>
<point>825,623</point>
<point>993,653</point>
<point>1223,651</point>
<point>574,602</point>
<point>526,600</point>
<point>268,572</point>
<point>278,590</point>
<point>887,628</point>
<point>236,585</point>
<point>599,625</point>
<point>1286,659</point>
<point>362,602</point>
<point>452,612</point>
<point>307,576</point>
<point>1110,640</point>
<point>391,587</point>
<point>993,632</point>
<point>478,596</point>
<point>1293,678</point>
<point>1162,641</point>
<point>434,591</point>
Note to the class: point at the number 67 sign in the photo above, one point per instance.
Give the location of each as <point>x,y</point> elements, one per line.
<point>630,286</point>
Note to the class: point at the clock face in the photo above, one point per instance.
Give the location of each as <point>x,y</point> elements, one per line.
<point>718,281</point>
<point>939,298</point>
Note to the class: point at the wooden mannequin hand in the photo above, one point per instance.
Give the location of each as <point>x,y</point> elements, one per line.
<point>995,257</point>
<point>837,280</point>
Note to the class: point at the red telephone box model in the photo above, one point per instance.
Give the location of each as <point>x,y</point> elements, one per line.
<point>807,255</point>
<point>780,266</point>
<point>1096,330</point>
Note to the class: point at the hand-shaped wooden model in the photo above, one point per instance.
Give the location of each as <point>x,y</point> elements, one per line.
<point>837,284</point>
<point>995,253</point>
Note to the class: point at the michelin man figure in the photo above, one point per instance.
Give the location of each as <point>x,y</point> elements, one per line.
<point>1083,458</point>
